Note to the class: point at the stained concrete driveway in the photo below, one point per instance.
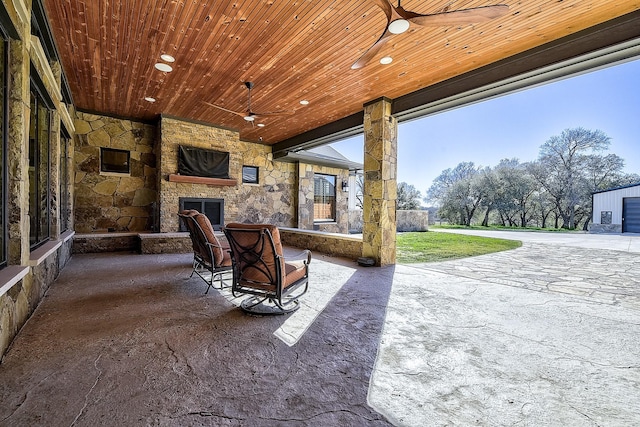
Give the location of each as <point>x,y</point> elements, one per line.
<point>543,335</point>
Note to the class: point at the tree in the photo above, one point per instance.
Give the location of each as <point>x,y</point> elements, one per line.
<point>518,186</point>
<point>458,192</point>
<point>408,197</point>
<point>493,188</point>
<point>562,160</point>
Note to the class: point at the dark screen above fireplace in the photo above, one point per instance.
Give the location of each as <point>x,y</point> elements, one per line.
<point>194,161</point>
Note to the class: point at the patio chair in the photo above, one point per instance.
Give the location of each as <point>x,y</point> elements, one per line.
<point>259,269</point>
<point>210,259</point>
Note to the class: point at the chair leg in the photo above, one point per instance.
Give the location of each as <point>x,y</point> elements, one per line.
<point>265,306</point>
<point>193,267</point>
<point>212,279</point>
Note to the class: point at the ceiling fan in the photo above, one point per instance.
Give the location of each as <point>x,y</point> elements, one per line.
<point>399,20</point>
<point>250,115</point>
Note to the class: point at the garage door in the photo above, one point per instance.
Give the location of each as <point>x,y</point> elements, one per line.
<point>631,215</point>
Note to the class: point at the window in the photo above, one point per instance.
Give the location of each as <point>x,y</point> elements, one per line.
<point>249,174</point>
<point>112,160</point>
<point>3,152</point>
<point>324,201</point>
<point>64,181</point>
<point>605,217</point>
<point>39,170</point>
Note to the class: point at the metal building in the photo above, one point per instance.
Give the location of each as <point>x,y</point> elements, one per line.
<point>616,210</point>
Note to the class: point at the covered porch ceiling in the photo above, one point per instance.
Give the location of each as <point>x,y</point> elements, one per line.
<point>304,50</point>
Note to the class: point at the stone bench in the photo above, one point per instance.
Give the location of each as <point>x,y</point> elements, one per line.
<point>332,244</point>
<point>146,243</point>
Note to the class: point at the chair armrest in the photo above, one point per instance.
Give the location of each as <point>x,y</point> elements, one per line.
<point>221,246</point>
<point>304,254</point>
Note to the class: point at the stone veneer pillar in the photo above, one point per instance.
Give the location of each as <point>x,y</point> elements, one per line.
<point>305,196</point>
<point>380,188</point>
<point>18,152</point>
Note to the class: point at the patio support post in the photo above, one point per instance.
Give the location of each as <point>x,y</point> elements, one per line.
<point>380,188</point>
<point>18,151</point>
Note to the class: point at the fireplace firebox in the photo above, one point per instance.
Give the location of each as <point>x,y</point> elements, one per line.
<point>212,208</point>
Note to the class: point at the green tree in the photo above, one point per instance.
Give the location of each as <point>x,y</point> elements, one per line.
<point>458,192</point>
<point>408,197</point>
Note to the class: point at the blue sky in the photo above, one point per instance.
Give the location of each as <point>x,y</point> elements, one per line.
<point>516,125</point>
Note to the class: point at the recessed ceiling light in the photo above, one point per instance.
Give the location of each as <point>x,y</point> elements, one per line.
<point>164,67</point>
<point>304,102</point>
<point>386,60</point>
<point>150,99</point>
<point>168,58</point>
<point>260,125</point>
<point>399,26</point>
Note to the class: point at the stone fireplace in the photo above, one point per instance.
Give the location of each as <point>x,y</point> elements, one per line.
<point>212,208</point>
<point>272,200</point>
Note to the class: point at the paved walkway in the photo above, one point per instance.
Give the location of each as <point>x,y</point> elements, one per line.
<point>546,334</point>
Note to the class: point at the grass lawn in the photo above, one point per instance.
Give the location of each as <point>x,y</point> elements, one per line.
<point>433,246</point>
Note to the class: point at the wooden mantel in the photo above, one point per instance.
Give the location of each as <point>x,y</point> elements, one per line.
<point>219,182</point>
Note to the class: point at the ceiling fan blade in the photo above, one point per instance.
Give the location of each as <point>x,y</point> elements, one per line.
<point>461,17</point>
<point>224,109</point>
<point>386,7</point>
<point>373,50</point>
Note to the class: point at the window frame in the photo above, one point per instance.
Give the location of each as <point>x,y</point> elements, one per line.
<point>257,171</point>
<point>39,232</point>
<point>103,171</point>
<point>324,196</point>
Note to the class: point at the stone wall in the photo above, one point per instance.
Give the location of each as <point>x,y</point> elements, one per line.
<point>18,301</point>
<point>272,200</point>
<point>332,244</point>
<point>108,201</point>
<point>29,272</point>
<point>414,220</point>
<point>355,221</point>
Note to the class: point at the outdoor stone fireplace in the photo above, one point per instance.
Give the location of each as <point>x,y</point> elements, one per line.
<point>212,208</point>
<point>272,200</point>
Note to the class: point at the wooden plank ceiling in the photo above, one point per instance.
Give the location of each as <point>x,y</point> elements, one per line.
<point>291,50</point>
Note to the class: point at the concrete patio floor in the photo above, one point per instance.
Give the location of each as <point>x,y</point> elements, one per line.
<point>546,334</point>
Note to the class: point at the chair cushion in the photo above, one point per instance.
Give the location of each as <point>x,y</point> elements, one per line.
<point>294,271</point>
<point>207,228</point>
<point>226,259</point>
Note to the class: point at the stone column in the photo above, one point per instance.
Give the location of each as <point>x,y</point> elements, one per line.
<point>380,188</point>
<point>305,196</point>
<point>18,152</point>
